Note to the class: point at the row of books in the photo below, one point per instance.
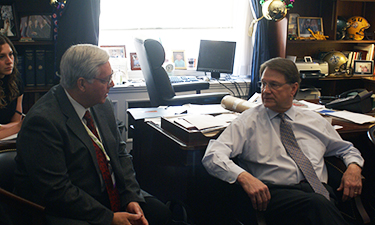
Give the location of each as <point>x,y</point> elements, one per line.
<point>360,52</point>
<point>37,67</point>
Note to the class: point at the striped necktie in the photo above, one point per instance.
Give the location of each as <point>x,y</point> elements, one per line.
<point>112,191</point>
<point>290,143</point>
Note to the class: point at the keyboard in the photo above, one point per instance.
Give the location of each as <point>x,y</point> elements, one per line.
<point>180,79</point>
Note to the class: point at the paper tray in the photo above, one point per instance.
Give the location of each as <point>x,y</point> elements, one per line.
<point>190,137</point>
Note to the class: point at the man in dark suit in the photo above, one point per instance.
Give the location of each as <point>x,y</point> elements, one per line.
<point>75,166</point>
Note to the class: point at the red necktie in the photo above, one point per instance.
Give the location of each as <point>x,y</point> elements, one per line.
<point>113,194</point>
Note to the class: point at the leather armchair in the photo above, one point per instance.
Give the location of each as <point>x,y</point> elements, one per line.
<point>371,134</point>
<point>15,210</point>
<point>151,57</point>
<point>352,210</point>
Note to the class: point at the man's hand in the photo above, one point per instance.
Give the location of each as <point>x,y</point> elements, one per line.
<point>351,182</point>
<point>133,216</point>
<point>124,218</point>
<point>257,191</point>
<point>133,207</point>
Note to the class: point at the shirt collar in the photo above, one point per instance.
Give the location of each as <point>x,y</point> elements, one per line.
<point>290,113</point>
<point>80,110</point>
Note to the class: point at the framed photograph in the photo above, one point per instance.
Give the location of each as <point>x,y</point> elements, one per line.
<point>134,62</point>
<point>305,23</point>
<point>179,60</point>
<point>292,24</point>
<point>8,22</point>
<point>37,27</point>
<point>115,51</point>
<point>363,67</point>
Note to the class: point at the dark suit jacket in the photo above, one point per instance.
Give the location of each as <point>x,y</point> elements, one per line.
<point>57,165</point>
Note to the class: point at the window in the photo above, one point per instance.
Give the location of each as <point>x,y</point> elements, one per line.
<point>178,25</point>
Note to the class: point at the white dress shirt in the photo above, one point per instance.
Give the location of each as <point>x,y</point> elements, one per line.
<point>254,138</point>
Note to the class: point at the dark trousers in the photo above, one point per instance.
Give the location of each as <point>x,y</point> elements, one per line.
<point>297,204</point>
<point>155,212</point>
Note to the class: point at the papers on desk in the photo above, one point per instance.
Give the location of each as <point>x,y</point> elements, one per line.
<point>144,113</point>
<point>206,109</point>
<point>204,123</point>
<point>207,124</point>
<point>358,118</point>
<point>311,106</point>
<point>353,117</point>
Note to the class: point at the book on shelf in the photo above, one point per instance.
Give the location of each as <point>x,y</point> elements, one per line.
<point>40,72</point>
<point>50,67</point>
<point>29,67</point>
<point>367,48</point>
<point>21,66</point>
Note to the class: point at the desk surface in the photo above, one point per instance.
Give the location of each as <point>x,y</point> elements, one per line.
<point>348,130</point>
<point>169,168</point>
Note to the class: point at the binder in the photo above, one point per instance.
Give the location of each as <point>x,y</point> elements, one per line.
<point>40,73</point>
<point>21,67</point>
<point>29,67</point>
<point>50,66</point>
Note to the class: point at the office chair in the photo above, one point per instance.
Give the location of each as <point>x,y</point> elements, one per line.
<point>371,134</point>
<point>353,210</point>
<point>16,210</point>
<point>161,92</point>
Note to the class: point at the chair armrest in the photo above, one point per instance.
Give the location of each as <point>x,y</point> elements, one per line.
<point>336,169</point>
<point>21,203</point>
<point>191,86</point>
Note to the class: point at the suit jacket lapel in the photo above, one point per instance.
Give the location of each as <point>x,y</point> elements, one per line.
<point>74,123</point>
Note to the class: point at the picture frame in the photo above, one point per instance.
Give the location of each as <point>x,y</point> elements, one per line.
<point>134,62</point>
<point>292,24</point>
<point>115,51</point>
<point>314,23</point>
<point>37,27</point>
<point>9,22</point>
<point>363,67</point>
<point>179,59</point>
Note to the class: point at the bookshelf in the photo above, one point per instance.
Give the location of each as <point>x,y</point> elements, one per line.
<point>329,10</point>
<point>27,7</point>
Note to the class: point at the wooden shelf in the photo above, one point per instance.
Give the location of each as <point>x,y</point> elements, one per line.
<point>357,0</point>
<point>32,43</point>
<point>330,42</point>
<point>37,89</point>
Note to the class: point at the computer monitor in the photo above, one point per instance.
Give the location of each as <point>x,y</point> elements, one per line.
<point>216,57</point>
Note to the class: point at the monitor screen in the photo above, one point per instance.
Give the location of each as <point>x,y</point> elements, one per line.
<point>216,56</point>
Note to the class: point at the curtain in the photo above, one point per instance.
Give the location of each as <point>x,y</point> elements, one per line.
<point>261,50</point>
<point>79,24</point>
<point>244,46</point>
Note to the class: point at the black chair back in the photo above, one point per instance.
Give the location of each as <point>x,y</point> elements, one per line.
<point>371,134</point>
<point>151,57</point>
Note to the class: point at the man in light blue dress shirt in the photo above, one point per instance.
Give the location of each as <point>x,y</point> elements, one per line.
<point>270,178</point>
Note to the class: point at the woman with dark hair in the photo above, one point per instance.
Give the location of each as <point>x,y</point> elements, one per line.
<point>11,90</point>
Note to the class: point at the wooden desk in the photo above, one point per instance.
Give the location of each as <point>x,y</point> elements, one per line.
<point>170,169</point>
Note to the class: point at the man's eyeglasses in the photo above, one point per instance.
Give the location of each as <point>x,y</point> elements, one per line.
<point>107,81</point>
<point>274,86</point>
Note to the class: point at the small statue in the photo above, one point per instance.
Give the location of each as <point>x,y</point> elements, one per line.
<point>318,35</point>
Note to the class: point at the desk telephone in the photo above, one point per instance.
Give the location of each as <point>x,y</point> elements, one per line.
<point>356,100</point>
